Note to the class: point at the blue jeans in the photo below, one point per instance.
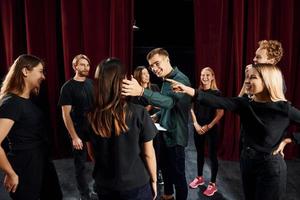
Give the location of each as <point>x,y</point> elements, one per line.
<point>141,193</point>
<point>264,175</point>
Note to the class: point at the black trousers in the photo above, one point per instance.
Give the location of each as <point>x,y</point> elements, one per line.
<point>140,193</point>
<point>212,138</point>
<point>173,170</point>
<point>264,175</point>
<point>157,148</point>
<point>37,175</point>
<point>80,159</point>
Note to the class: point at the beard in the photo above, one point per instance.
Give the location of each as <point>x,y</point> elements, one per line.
<point>83,73</point>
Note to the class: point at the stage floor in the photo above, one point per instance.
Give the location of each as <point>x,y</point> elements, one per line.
<point>228,179</point>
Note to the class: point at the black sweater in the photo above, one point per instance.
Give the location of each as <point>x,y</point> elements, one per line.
<point>264,124</point>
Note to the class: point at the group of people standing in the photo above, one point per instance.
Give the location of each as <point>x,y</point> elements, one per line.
<point>119,135</point>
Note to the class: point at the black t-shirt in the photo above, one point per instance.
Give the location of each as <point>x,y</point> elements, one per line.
<point>264,124</point>
<point>144,101</point>
<point>119,162</point>
<point>205,114</point>
<point>28,130</point>
<point>78,94</point>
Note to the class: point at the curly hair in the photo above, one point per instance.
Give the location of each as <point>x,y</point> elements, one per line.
<point>274,49</point>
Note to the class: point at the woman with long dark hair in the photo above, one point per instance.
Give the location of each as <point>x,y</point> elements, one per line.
<point>121,142</point>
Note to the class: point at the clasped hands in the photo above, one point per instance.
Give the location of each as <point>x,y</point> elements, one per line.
<point>201,129</point>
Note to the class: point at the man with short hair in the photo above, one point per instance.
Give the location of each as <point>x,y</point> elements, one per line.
<point>173,114</point>
<point>76,99</point>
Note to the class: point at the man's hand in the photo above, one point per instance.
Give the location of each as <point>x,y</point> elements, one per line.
<point>77,143</point>
<point>131,87</point>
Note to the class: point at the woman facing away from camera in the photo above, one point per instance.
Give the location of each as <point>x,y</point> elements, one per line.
<point>26,166</point>
<point>121,140</point>
<point>205,119</point>
<point>265,118</point>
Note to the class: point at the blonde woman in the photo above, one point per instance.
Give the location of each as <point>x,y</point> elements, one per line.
<point>205,121</point>
<point>265,118</point>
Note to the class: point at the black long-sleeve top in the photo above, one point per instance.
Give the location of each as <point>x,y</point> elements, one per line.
<point>264,124</point>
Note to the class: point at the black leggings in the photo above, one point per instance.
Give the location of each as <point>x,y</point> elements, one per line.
<point>212,138</point>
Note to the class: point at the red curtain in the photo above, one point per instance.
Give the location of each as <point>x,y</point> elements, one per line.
<point>58,30</point>
<point>226,36</point>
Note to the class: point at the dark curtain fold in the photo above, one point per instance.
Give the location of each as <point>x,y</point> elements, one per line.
<point>226,36</point>
<point>56,31</point>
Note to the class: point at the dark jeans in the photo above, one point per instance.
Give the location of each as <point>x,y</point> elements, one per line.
<point>173,170</point>
<point>156,144</point>
<point>264,175</point>
<point>212,139</point>
<point>80,158</point>
<point>141,193</point>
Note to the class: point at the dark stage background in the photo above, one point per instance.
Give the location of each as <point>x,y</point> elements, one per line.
<point>222,34</point>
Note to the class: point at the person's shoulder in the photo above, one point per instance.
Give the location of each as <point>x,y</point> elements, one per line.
<point>216,92</point>
<point>181,77</point>
<point>68,83</point>
<point>8,98</point>
<point>12,101</point>
<point>135,108</point>
<point>88,80</point>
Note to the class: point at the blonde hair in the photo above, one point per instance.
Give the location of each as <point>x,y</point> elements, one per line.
<point>159,51</point>
<point>79,57</point>
<point>273,81</point>
<point>213,84</point>
<point>274,49</point>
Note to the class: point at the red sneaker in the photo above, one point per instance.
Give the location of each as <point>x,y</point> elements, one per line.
<point>196,182</point>
<point>210,190</point>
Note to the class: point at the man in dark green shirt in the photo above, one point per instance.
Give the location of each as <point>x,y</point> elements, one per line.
<point>173,115</point>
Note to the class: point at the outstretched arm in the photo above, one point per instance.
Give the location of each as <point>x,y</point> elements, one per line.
<point>214,101</point>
